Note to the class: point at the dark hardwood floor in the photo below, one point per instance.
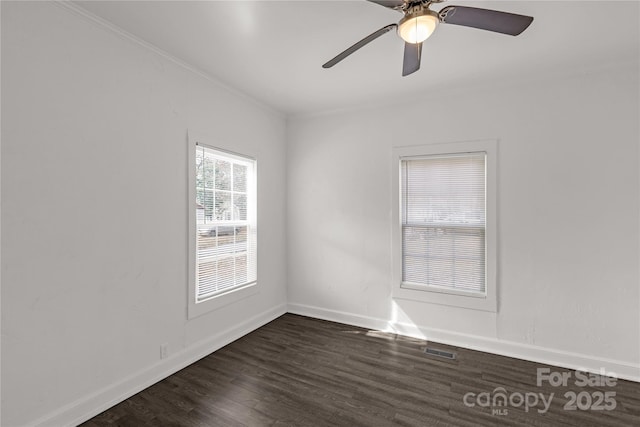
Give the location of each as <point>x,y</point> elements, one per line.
<point>298,371</point>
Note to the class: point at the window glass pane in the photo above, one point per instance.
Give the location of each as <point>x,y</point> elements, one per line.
<point>207,273</point>
<point>241,239</point>
<point>206,241</point>
<point>208,172</point>
<point>239,177</point>
<point>199,168</point>
<point>223,210</point>
<point>200,205</point>
<point>226,236</point>
<point>208,206</point>
<point>241,268</point>
<point>445,190</point>
<point>226,273</point>
<point>223,175</point>
<point>239,207</point>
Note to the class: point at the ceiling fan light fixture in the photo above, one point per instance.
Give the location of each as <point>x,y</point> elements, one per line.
<point>417,27</point>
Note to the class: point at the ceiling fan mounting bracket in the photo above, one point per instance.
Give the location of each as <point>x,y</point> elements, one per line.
<point>417,11</point>
<point>412,6</point>
<point>415,8</point>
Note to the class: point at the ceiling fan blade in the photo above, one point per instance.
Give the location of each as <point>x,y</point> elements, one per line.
<point>412,55</point>
<point>364,41</point>
<point>391,4</point>
<point>486,19</point>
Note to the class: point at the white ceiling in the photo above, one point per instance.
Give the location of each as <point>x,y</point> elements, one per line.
<point>273,50</point>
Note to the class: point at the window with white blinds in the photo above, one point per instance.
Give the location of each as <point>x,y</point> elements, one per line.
<point>443,222</point>
<point>226,234</point>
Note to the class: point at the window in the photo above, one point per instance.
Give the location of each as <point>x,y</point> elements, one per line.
<point>222,227</point>
<point>443,221</point>
<point>445,236</point>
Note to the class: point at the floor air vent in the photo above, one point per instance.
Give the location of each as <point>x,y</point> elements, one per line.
<point>440,353</point>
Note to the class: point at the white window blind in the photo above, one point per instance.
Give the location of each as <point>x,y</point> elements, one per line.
<point>226,235</point>
<point>443,222</point>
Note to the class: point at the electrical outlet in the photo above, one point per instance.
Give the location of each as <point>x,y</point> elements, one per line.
<point>164,350</point>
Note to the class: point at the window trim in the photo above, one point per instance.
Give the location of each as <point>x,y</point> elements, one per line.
<point>443,296</point>
<point>195,309</point>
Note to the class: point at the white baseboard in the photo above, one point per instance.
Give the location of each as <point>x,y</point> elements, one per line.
<point>548,356</point>
<point>93,404</point>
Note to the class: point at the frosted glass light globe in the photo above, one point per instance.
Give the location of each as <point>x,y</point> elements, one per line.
<point>416,28</point>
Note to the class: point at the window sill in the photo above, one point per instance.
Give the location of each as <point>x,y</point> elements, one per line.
<point>442,290</point>
<point>218,301</point>
<point>464,299</point>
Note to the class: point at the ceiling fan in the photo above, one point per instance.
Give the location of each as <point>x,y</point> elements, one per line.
<point>419,22</point>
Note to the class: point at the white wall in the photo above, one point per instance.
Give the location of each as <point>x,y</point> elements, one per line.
<point>94,213</point>
<point>568,210</point>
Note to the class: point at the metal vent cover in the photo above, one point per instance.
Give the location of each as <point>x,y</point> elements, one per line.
<point>440,353</point>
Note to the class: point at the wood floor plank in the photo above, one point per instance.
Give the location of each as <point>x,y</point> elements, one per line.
<point>299,371</point>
